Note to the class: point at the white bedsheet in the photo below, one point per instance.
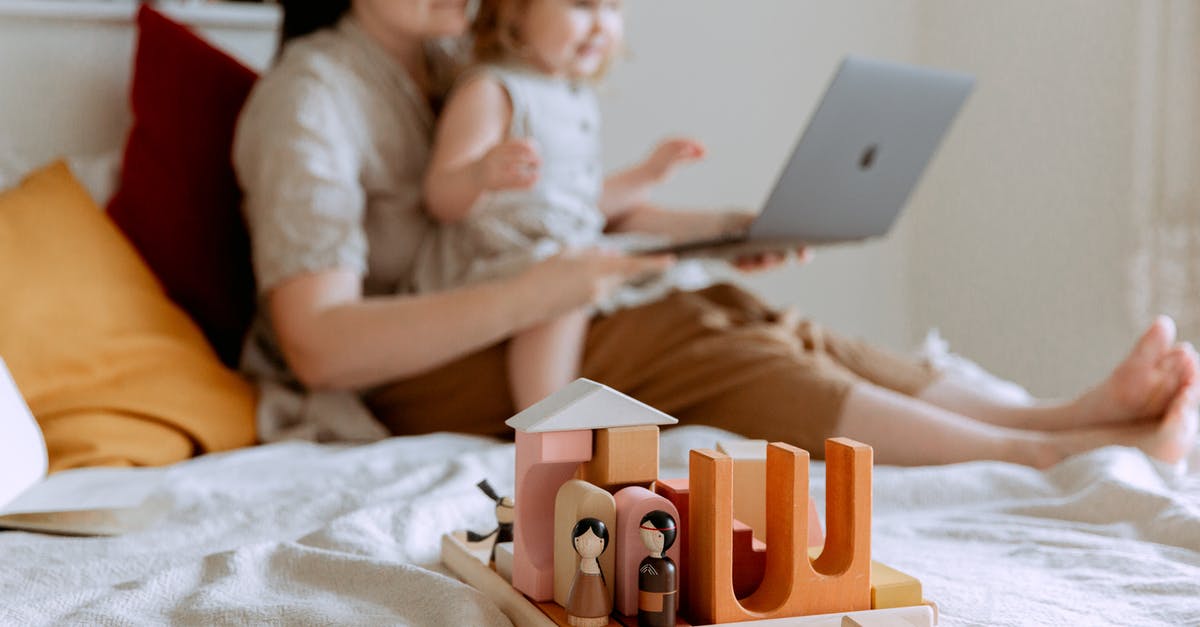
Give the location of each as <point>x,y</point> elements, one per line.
<point>306,534</point>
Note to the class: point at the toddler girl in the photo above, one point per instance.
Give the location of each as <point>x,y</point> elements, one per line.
<point>515,172</point>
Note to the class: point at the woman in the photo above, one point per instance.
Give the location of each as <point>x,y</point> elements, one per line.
<point>331,150</point>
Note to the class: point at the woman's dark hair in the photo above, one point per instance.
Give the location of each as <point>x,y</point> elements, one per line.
<point>492,29</point>
<point>662,522</point>
<point>595,525</point>
<point>301,17</point>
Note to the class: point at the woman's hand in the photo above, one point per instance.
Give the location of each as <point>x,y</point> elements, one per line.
<point>765,261</point>
<point>737,222</point>
<point>578,278</point>
<point>511,164</point>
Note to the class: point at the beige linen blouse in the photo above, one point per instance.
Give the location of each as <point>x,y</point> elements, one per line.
<point>330,151</point>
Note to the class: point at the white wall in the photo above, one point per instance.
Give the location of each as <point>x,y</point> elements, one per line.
<point>744,78</point>
<point>76,55</point>
<point>1023,238</point>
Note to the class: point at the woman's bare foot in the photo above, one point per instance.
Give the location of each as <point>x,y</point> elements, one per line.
<point>1174,437</point>
<point>1141,387</point>
<point>1170,439</point>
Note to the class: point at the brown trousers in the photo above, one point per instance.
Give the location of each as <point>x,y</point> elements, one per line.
<point>717,357</point>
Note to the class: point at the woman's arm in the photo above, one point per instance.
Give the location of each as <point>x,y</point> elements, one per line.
<point>470,153</point>
<point>332,337</point>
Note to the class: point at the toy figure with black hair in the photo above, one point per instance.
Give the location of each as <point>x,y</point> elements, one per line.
<point>658,579</point>
<point>505,515</point>
<point>588,604</point>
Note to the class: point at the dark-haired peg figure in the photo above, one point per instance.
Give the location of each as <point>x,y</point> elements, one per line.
<point>588,603</point>
<point>658,581</point>
<point>504,520</point>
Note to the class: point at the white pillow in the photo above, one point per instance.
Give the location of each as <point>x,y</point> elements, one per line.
<point>937,350</point>
<point>99,173</point>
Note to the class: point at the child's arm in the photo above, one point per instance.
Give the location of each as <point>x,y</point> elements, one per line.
<point>471,154</point>
<point>628,189</point>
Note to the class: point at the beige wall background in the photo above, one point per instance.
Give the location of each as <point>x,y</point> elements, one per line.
<point>1037,242</point>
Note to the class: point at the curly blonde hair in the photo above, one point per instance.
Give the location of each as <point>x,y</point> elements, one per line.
<point>497,37</point>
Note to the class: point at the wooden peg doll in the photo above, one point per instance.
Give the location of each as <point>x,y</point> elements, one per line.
<point>658,580</point>
<point>504,520</point>
<point>588,603</point>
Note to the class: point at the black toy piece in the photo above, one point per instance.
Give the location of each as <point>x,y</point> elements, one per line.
<point>504,520</point>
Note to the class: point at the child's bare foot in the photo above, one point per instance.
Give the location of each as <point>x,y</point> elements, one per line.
<point>1141,387</point>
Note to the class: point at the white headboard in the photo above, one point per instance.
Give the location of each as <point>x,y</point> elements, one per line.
<point>65,67</point>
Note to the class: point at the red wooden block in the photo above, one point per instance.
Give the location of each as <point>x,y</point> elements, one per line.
<point>676,491</point>
<point>749,560</point>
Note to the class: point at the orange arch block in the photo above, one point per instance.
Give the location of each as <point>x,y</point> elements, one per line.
<point>793,585</point>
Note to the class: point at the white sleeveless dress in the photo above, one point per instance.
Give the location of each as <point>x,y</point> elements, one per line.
<point>508,230</point>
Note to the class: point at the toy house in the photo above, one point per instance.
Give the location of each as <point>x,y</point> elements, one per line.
<point>587,466</point>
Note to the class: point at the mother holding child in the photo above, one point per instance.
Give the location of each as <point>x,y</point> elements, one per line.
<point>439,274</point>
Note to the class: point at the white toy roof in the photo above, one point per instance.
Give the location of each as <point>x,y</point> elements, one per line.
<point>585,404</point>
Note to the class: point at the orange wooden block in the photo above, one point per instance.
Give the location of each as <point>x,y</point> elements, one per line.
<point>622,456</point>
<point>816,537</point>
<point>837,581</point>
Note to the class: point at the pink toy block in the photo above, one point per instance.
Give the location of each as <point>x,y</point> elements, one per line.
<point>633,503</point>
<point>545,461</point>
<point>816,537</point>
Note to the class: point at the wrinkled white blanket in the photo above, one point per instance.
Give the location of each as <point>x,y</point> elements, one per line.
<point>313,535</point>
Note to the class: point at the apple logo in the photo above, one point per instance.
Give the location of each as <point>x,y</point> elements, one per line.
<point>868,157</point>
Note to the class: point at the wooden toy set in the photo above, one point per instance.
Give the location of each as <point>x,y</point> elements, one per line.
<point>598,538</point>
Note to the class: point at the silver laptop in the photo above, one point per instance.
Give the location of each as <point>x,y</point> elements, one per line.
<point>856,164</point>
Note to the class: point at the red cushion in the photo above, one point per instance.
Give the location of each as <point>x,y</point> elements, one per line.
<point>178,200</point>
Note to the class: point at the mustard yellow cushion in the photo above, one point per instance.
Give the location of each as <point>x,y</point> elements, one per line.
<point>115,373</point>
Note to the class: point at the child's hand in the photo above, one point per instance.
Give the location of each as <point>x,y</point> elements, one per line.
<point>669,155</point>
<point>512,164</point>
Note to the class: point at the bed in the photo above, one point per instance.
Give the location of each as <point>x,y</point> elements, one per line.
<point>300,533</point>
<point>305,534</point>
